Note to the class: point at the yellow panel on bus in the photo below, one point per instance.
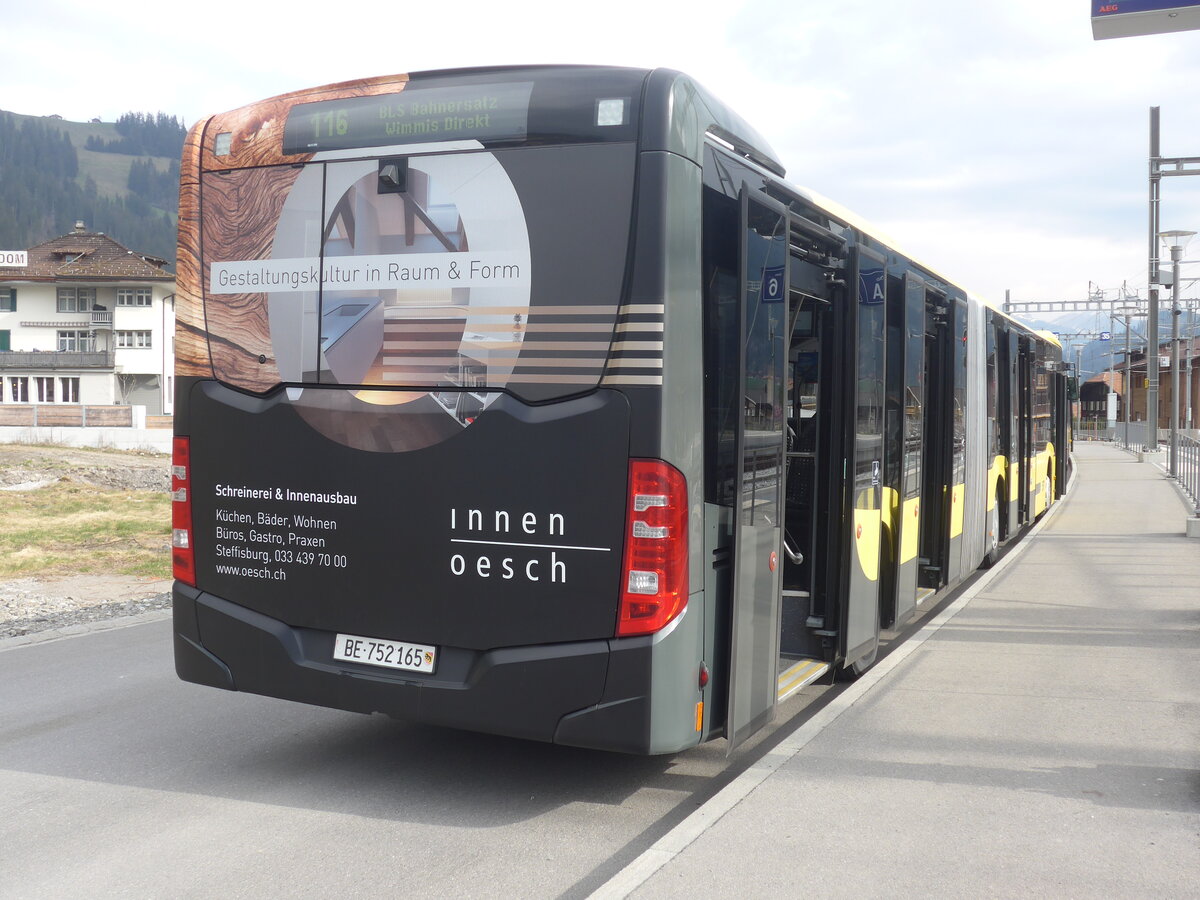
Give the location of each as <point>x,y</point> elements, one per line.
<point>867,526</point>
<point>910,530</point>
<point>956,510</point>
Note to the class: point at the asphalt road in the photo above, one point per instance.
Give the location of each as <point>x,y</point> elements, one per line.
<point>118,780</point>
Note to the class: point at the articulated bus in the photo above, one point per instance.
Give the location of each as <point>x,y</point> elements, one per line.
<point>535,401</point>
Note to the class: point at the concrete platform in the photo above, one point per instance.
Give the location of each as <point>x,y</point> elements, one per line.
<point>1042,741</point>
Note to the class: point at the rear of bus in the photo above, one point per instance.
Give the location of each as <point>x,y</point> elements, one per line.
<point>417,467</point>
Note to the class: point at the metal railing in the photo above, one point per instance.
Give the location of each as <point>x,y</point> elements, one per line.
<point>58,359</point>
<point>1134,438</point>
<point>1189,469</point>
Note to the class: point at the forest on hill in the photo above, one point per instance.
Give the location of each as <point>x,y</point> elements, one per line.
<point>121,179</point>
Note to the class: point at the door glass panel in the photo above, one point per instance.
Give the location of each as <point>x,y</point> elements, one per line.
<point>764,378</point>
<point>862,594</point>
<point>756,569</point>
<point>914,386</point>
<point>868,416</point>
<point>960,394</point>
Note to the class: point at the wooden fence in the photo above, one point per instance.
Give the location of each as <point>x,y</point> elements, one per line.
<point>65,415</point>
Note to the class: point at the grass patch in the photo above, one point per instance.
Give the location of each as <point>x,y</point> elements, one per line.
<point>67,528</point>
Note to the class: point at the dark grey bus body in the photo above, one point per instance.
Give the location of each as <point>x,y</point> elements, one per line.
<point>693,293</point>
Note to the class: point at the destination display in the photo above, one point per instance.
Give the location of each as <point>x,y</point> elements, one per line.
<point>482,112</point>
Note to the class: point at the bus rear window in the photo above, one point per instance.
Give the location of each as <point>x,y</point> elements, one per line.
<point>476,272</point>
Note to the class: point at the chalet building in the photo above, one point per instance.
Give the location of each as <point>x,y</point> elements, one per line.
<point>1094,406</point>
<point>87,321</point>
<point>1093,394</point>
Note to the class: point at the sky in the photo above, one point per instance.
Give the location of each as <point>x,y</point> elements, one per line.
<point>995,142</point>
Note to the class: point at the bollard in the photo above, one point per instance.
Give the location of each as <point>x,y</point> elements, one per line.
<point>1193,527</point>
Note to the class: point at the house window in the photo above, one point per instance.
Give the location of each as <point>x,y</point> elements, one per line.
<point>133,296</point>
<point>44,388</point>
<point>20,389</point>
<point>8,299</point>
<point>69,392</point>
<point>71,300</point>
<point>76,340</point>
<point>133,339</point>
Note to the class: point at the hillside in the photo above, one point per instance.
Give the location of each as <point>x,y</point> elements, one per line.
<point>49,179</point>
<point>1097,355</point>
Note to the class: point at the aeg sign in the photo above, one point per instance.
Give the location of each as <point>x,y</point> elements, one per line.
<point>1129,18</point>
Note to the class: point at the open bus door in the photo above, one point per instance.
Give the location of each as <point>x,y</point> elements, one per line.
<point>757,532</point>
<point>936,471</point>
<point>1025,447</point>
<point>1011,434</point>
<point>911,447</point>
<point>859,632</point>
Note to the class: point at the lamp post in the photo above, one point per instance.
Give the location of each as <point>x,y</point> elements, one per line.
<point>1126,314</point>
<point>1189,341</point>
<point>1176,242</point>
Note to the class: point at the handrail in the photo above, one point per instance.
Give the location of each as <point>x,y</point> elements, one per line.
<point>57,359</point>
<point>1189,469</point>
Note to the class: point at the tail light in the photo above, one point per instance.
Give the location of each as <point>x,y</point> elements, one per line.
<point>183,559</point>
<point>655,571</point>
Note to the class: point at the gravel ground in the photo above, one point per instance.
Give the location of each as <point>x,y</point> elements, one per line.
<point>32,605</point>
<point>26,464</point>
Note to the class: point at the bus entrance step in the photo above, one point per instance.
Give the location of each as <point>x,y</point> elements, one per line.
<point>806,671</point>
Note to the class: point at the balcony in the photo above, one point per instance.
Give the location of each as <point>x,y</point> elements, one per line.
<point>58,359</point>
<point>102,318</point>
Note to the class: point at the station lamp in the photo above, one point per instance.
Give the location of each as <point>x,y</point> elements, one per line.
<point>1176,242</point>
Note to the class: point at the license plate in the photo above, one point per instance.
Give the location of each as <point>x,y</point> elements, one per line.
<point>389,654</point>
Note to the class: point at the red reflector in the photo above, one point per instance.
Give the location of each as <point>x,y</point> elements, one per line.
<point>183,557</point>
<point>654,588</point>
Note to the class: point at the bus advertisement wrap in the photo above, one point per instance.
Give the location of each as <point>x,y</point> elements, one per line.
<point>419,271</point>
<point>448,548</point>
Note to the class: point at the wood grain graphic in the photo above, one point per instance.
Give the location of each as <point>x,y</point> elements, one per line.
<point>191,339</point>
<point>240,210</point>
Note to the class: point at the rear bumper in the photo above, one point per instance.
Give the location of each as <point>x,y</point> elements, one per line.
<point>586,694</point>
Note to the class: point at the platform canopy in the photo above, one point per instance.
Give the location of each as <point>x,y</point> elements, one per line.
<point>1128,18</point>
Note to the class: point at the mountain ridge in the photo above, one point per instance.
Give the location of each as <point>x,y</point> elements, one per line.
<point>49,179</point>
